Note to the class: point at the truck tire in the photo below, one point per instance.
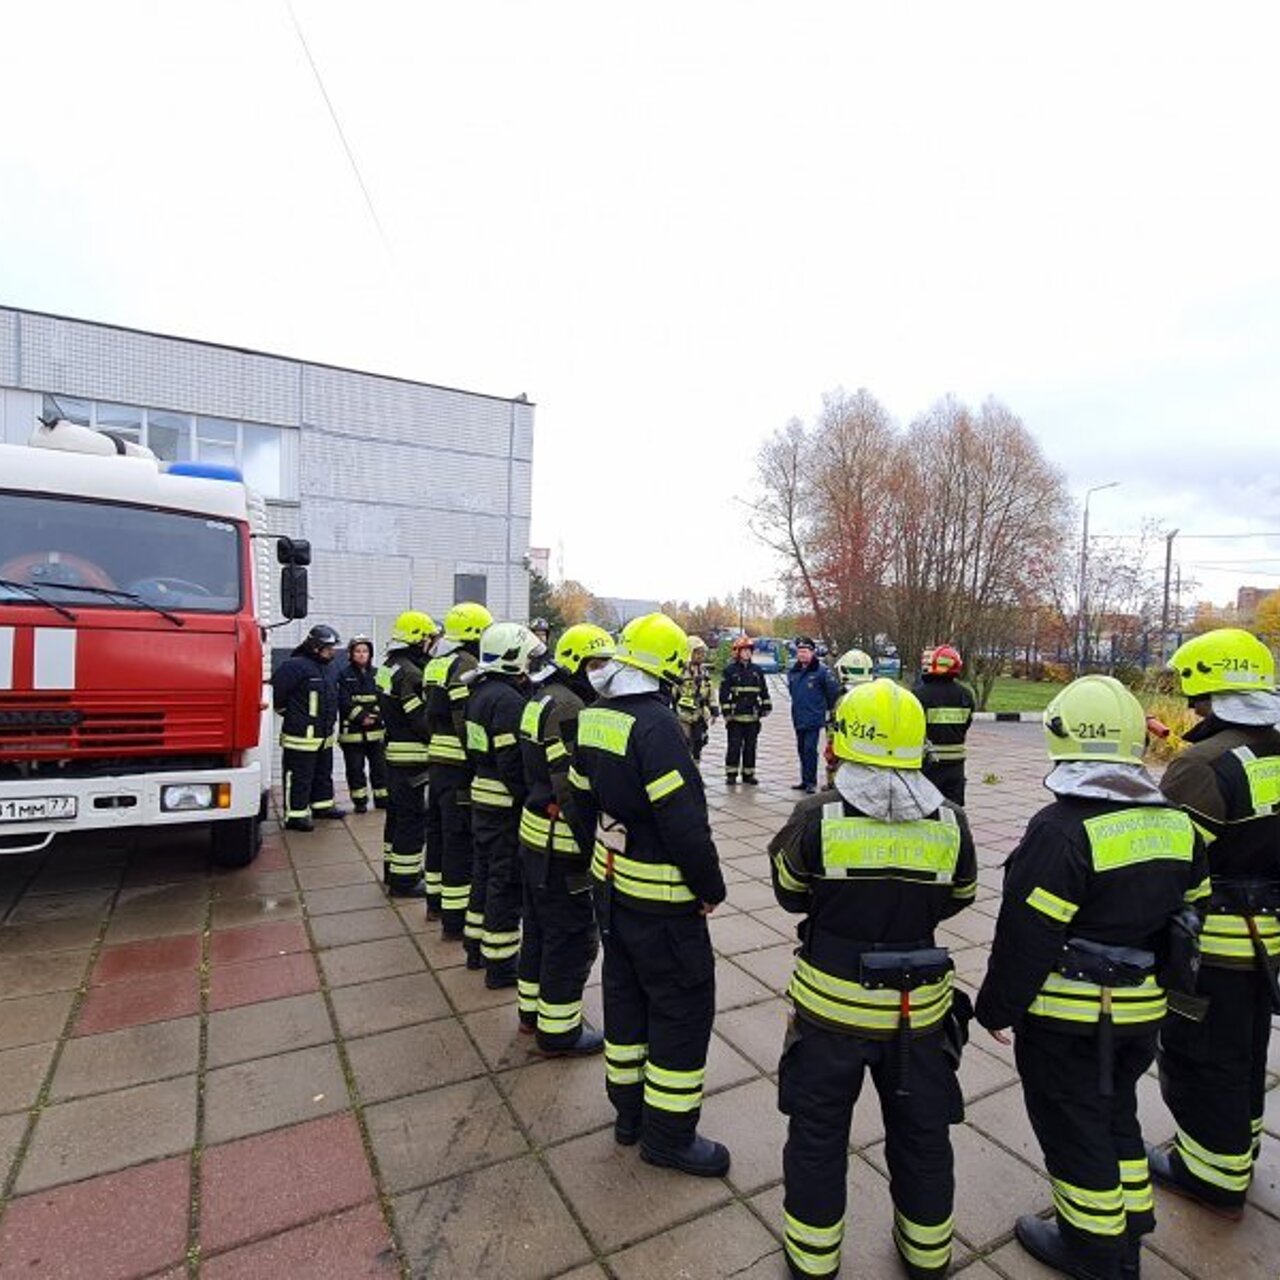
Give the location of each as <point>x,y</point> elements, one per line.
<point>236,842</point>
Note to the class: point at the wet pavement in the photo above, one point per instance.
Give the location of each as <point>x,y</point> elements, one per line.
<point>277,1072</point>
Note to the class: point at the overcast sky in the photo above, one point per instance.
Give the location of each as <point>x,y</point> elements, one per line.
<point>674,226</point>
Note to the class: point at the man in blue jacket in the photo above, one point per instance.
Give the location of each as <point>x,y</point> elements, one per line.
<point>814,691</point>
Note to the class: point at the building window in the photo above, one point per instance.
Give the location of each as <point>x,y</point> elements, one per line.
<point>470,586</point>
<point>266,456</point>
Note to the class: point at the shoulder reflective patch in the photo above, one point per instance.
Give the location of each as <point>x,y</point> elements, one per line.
<point>605,730</point>
<point>1049,904</point>
<point>477,738</point>
<point>661,787</point>
<point>1263,774</point>
<point>383,677</point>
<point>529,718</point>
<point>437,670</point>
<point>918,849</point>
<point>577,780</point>
<point>1143,834</point>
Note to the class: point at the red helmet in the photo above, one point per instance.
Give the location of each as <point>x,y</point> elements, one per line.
<point>942,661</point>
<point>742,642</point>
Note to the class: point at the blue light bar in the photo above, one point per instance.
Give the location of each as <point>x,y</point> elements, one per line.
<point>206,471</point>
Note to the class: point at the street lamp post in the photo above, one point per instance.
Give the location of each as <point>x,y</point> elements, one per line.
<point>1083,594</point>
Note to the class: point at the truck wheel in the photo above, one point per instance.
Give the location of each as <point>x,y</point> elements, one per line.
<point>236,842</point>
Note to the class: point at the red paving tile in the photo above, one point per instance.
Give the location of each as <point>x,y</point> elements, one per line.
<point>267,1183</point>
<point>349,1246</point>
<point>134,1001</point>
<point>147,958</point>
<point>119,1225</point>
<point>231,985</point>
<point>272,858</point>
<point>258,941</point>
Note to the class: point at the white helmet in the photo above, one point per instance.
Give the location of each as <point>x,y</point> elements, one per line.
<point>854,667</point>
<point>508,648</point>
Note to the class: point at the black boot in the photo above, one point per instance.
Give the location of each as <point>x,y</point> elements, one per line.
<point>1167,1172</point>
<point>362,806</point>
<point>1131,1263</point>
<point>589,1041</point>
<point>379,803</point>
<point>299,824</point>
<point>626,1129</point>
<point>699,1156</point>
<point>474,959</point>
<point>1044,1242</point>
<point>330,812</point>
<point>498,976</point>
<point>406,887</point>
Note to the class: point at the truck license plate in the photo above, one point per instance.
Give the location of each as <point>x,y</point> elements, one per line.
<point>37,808</point>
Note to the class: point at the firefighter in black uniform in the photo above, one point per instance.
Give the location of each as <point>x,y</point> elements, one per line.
<point>360,731</point>
<point>404,717</point>
<point>744,702</point>
<point>495,708</point>
<point>559,942</point>
<point>874,865</point>
<point>948,712</point>
<point>305,695</point>
<point>448,795</point>
<point>1214,1074</point>
<point>1098,919</point>
<point>696,701</point>
<point>657,878</point>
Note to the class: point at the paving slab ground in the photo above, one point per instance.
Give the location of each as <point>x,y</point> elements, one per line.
<point>275,1072</point>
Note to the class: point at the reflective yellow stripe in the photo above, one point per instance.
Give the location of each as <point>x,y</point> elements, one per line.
<point>530,716</point>
<point>1141,834</point>
<point>577,780</point>
<point>950,752</point>
<point>1100,1213</point>
<point>664,786</point>
<point>1049,904</point>
<point>1263,774</point>
<point>477,737</point>
<point>313,705</point>
<point>294,743</point>
<point>445,748</point>
<point>624,1063</point>
<point>644,881</point>
<point>526,996</point>
<point>1135,1182</point>
<point>919,849</point>
<point>538,832</point>
<point>1068,1000</point>
<point>454,897</point>
<point>383,678</point>
<point>407,753</point>
<point>1226,937</point>
<point>412,704</point>
<point>675,1091</point>
<point>811,1249</point>
<point>437,670</point>
<point>556,750</point>
<point>923,1246</point>
<point>504,740</point>
<point>499,946</point>
<point>819,1237</point>
<point>605,730</point>
<point>786,879</point>
<point>875,1011</point>
<point>491,793</point>
<point>947,715</point>
<point>1230,1172</point>
<point>1201,891</point>
<point>459,692</point>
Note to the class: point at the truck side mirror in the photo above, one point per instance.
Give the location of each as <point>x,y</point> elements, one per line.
<point>293,591</point>
<point>295,551</point>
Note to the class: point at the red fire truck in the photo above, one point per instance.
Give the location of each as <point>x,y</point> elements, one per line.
<point>133,602</point>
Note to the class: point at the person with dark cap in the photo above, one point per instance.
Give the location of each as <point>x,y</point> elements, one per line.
<point>814,689</point>
<point>360,730</point>
<point>305,696</point>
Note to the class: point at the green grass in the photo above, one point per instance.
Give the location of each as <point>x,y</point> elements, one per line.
<point>1008,694</point>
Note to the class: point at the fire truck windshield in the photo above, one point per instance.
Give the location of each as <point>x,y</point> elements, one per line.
<point>109,555</point>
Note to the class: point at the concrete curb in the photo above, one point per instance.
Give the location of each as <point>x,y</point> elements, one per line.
<point>1024,717</point>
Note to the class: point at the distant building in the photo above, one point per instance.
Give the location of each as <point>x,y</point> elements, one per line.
<point>412,495</point>
<point>1248,599</point>
<point>617,611</point>
<point>540,561</point>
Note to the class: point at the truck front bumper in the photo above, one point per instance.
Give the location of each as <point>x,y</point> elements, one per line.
<point>35,810</point>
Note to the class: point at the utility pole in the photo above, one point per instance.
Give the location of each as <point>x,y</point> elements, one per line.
<point>1082,598</point>
<point>1164,612</point>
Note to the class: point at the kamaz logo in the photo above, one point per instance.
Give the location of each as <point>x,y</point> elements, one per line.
<point>43,719</point>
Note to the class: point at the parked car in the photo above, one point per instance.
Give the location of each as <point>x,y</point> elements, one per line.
<point>766,653</point>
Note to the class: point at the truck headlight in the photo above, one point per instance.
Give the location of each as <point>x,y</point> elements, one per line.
<point>183,796</point>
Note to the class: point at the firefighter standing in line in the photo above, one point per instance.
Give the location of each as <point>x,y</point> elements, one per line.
<point>1213,1075</point>
<point>494,710</point>
<point>559,943</point>
<point>540,629</point>
<point>305,695</point>
<point>696,702</point>
<point>657,878</point>
<point>1097,909</point>
<point>360,731</point>
<point>744,702</point>
<point>874,865</point>
<point>449,771</point>
<point>948,711</point>
<point>404,718</point>
<point>853,668</point>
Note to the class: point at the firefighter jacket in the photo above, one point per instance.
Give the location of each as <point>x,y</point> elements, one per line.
<point>744,693</point>
<point>304,693</point>
<point>696,699</point>
<point>446,695</point>
<point>358,702</point>
<point>1228,781</point>
<point>403,708</point>
<point>548,739</point>
<point>948,712</point>
<point>493,714</point>
<point>637,784</point>
<point>814,689</point>
<point>868,886</point>
<point>1099,870</point>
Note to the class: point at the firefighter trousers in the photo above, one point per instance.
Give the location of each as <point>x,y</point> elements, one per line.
<point>1213,1075</point>
<point>948,777</point>
<point>741,751</point>
<point>308,781</point>
<point>356,756</point>
<point>558,946</point>
<point>695,734</point>
<point>659,988</point>
<point>406,826</point>
<point>449,850</point>
<point>497,890</point>
<point>819,1079</point>
<point>1092,1145</point>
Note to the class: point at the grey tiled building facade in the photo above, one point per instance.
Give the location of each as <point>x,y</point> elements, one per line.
<point>412,495</point>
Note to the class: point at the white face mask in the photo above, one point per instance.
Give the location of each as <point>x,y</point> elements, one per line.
<point>601,676</point>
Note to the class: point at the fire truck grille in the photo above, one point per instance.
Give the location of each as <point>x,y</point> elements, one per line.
<point>36,727</point>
